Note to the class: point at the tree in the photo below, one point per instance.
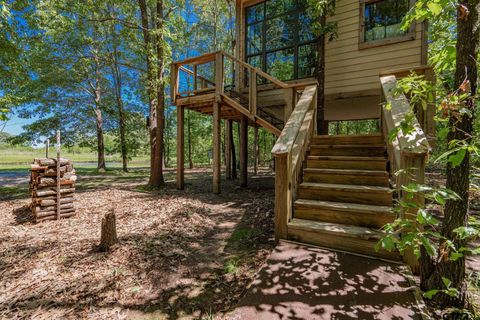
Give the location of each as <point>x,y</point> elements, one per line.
<point>461,129</point>
<point>319,11</point>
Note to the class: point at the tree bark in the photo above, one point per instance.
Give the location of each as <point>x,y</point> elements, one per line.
<point>155,90</point>
<point>456,211</point>
<point>108,235</point>
<point>99,126</point>
<point>117,82</point>
<point>234,156</point>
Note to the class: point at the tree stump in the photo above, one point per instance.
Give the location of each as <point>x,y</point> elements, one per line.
<point>109,231</point>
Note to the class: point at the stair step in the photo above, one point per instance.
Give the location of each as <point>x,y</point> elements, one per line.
<point>339,236</point>
<point>347,176</point>
<point>345,213</point>
<point>345,193</point>
<point>347,162</point>
<point>349,139</point>
<point>347,150</point>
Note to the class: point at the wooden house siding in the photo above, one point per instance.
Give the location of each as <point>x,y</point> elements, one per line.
<point>352,71</point>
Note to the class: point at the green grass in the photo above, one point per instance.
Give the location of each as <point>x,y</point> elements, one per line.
<point>12,156</point>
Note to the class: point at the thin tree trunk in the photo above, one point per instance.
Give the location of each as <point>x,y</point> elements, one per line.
<point>117,82</point>
<point>99,119</point>
<point>255,150</point>
<point>234,156</point>
<point>458,177</point>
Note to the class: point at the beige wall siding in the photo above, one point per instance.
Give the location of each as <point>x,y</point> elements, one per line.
<point>350,69</point>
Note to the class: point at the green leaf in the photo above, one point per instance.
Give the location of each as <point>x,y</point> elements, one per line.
<point>454,256</point>
<point>446,282</point>
<point>435,8</point>
<point>442,133</point>
<point>428,246</point>
<point>457,158</point>
<point>430,294</point>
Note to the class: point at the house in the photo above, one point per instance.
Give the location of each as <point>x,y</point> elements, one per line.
<point>332,191</point>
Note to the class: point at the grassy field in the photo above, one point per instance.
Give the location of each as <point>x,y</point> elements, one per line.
<point>13,157</point>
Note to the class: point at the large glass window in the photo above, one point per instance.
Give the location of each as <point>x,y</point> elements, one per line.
<point>280,39</point>
<point>383,19</point>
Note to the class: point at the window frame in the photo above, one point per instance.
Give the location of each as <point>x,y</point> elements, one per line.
<point>264,52</point>
<point>362,44</point>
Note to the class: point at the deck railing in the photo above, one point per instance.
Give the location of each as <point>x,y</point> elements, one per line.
<point>253,92</point>
<point>407,152</point>
<point>289,152</point>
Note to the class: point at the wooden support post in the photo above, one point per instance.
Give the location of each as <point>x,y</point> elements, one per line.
<point>289,103</point>
<point>58,175</point>
<point>255,150</point>
<point>195,78</point>
<point>243,151</point>
<point>228,149</point>
<point>174,82</point>
<point>283,196</point>
<point>216,148</point>
<point>252,93</point>
<point>180,148</point>
<point>219,73</point>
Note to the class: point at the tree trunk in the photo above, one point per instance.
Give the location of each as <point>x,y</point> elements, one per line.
<point>108,235</point>
<point>234,156</point>
<point>156,176</point>
<point>117,82</point>
<point>321,79</point>
<point>456,211</point>
<point>155,91</point>
<point>255,150</point>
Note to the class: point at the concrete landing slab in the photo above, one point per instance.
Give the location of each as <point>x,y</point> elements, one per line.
<point>301,282</point>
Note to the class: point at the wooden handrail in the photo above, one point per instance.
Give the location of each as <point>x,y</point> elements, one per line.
<point>407,152</point>
<point>395,113</point>
<point>197,76</point>
<point>289,152</point>
<point>274,80</point>
<point>287,138</point>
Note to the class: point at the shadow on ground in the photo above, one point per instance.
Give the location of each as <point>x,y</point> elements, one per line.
<point>302,282</point>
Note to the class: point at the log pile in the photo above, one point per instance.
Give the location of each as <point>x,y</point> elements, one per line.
<point>43,188</point>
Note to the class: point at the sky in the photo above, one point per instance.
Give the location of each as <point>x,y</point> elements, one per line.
<point>14,125</point>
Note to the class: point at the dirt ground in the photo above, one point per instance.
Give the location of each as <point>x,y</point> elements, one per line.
<point>181,254</point>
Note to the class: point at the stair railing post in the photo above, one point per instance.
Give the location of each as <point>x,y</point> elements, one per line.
<point>174,82</point>
<point>252,92</point>
<point>283,195</point>
<point>219,73</point>
<point>195,78</point>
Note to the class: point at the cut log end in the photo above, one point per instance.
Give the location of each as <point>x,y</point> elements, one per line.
<point>108,235</point>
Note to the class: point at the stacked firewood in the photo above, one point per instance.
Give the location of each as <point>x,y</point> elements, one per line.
<point>43,188</point>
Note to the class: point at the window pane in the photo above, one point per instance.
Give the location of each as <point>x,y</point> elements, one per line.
<point>307,60</point>
<point>280,64</point>
<point>305,32</point>
<point>256,61</point>
<point>280,32</point>
<point>255,13</point>
<point>277,7</point>
<point>254,38</point>
<point>383,19</point>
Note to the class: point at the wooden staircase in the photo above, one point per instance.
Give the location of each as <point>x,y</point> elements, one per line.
<point>345,195</point>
